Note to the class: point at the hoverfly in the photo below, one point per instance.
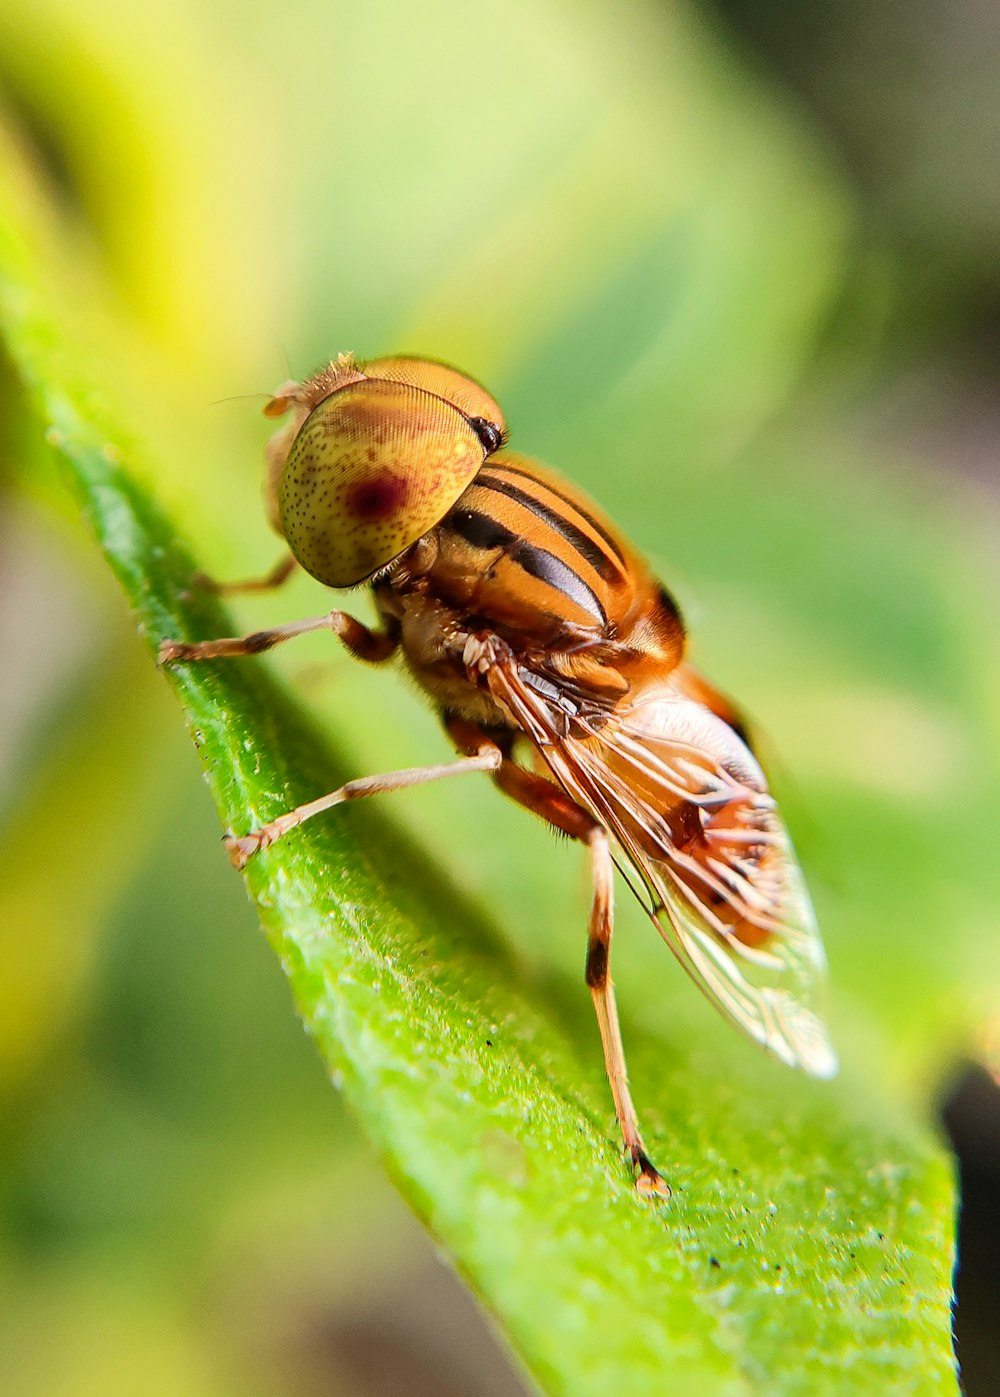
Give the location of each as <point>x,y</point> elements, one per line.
<point>556,662</point>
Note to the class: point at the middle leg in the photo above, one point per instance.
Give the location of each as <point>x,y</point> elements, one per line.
<point>648,1180</point>
<point>241,848</point>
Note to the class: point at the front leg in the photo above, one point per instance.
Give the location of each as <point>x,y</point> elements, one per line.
<point>360,640</point>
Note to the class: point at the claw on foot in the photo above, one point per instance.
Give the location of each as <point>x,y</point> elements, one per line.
<point>649,1183</point>
<point>241,848</point>
<point>169,651</point>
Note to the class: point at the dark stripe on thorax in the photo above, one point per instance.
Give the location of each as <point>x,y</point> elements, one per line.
<point>478,529</point>
<point>540,563</point>
<point>584,514</point>
<point>603,564</point>
<point>481,531</point>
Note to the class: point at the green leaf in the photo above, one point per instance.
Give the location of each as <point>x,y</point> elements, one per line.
<point>807,1246</point>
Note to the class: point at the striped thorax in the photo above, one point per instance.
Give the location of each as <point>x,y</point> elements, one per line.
<point>524,553</point>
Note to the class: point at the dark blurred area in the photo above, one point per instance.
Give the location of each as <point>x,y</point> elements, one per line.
<point>970,1113</point>
<point>907,97</point>
<point>907,94</point>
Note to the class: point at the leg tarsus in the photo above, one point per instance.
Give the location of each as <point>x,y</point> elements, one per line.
<point>649,1182</point>
<point>241,848</point>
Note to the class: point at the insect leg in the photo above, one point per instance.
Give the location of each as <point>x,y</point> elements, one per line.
<point>240,849</point>
<point>546,799</point>
<point>362,642</point>
<point>647,1180</point>
<point>277,576</point>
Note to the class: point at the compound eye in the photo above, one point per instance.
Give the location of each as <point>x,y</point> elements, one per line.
<point>467,395</point>
<point>374,466</point>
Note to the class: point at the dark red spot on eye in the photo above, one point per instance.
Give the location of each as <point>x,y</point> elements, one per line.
<point>376,499</point>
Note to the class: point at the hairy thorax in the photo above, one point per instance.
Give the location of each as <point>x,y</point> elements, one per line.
<point>433,637</point>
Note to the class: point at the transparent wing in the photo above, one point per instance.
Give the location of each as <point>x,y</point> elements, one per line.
<point>688,804</point>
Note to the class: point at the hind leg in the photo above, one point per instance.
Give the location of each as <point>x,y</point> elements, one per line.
<point>552,804</point>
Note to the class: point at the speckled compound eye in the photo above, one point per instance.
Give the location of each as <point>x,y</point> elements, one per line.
<point>468,395</point>
<point>374,466</point>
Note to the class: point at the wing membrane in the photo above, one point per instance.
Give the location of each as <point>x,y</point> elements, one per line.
<point>689,807</point>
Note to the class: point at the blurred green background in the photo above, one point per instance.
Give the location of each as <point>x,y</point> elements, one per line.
<point>732,268</point>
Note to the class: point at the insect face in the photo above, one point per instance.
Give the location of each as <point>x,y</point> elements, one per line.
<point>381,456</point>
